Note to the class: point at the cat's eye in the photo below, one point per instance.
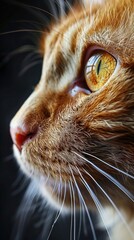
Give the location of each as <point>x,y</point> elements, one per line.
<point>99,69</point>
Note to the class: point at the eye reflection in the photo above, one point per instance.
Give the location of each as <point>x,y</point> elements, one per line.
<point>99,69</point>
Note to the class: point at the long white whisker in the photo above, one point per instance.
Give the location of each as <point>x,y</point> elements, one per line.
<point>31,56</point>
<point>86,209</point>
<point>29,66</point>
<point>112,203</point>
<point>59,213</point>
<point>60,185</point>
<point>71,224</point>
<point>49,213</point>
<point>22,49</point>
<point>113,180</point>
<point>117,169</point>
<point>74,210</point>
<point>32,8</point>
<point>81,214</point>
<point>96,201</point>
<point>21,30</point>
<point>80,217</point>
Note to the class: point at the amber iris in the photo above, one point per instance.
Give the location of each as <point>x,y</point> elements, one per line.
<point>99,69</point>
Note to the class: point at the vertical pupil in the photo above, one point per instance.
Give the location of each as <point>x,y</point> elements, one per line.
<point>98,67</point>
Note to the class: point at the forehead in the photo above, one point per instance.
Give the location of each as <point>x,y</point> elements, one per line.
<point>110,15</point>
<point>108,26</point>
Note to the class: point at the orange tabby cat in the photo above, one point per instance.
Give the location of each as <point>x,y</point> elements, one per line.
<point>75,133</point>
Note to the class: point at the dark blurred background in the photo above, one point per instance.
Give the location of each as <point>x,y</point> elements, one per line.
<point>20,70</point>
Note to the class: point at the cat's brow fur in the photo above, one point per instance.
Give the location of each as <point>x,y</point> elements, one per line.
<point>101,123</point>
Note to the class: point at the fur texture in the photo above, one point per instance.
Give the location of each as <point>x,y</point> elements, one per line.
<point>73,135</point>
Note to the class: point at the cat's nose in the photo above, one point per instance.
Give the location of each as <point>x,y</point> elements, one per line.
<point>20,135</point>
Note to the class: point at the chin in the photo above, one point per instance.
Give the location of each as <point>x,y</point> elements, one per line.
<point>56,192</point>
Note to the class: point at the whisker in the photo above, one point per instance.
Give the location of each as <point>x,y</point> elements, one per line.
<point>71,9</point>
<point>83,201</point>
<point>22,49</point>
<point>60,184</point>
<point>80,217</point>
<point>31,56</point>
<point>21,30</point>
<point>112,203</point>
<point>71,223</point>
<point>95,199</point>
<point>108,176</point>
<point>74,210</point>
<point>49,213</point>
<point>117,169</point>
<point>59,213</point>
<point>37,9</point>
<point>29,66</point>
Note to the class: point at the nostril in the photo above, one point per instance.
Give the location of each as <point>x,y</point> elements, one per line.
<point>19,137</point>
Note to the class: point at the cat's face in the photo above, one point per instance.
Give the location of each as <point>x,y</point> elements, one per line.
<point>75,133</point>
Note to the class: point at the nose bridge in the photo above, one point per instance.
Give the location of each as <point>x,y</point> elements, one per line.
<point>25,125</point>
<point>30,114</point>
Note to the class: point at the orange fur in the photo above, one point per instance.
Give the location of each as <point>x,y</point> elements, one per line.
<point>101,123</point>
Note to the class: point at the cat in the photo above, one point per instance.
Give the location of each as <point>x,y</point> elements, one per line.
<point>75,134</point>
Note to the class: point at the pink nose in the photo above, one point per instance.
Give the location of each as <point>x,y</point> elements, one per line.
<point>20,136</point>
